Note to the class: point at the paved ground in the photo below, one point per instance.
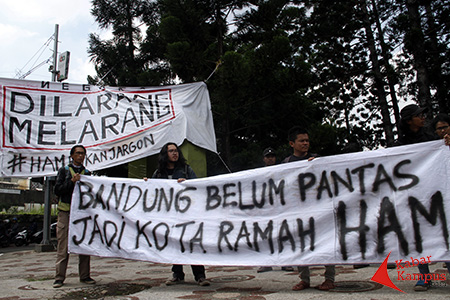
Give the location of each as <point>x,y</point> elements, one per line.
<point>26,274</point>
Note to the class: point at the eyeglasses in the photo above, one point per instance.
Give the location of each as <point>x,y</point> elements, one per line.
<point>421,116</point>
<point>172,151</point>
<point>79,153</point>
<point>442,128</point>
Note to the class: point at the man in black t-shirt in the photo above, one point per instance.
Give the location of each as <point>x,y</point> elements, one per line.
<point>299,141</point>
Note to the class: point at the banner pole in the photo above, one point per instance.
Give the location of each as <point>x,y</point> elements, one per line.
<point>45,245</point>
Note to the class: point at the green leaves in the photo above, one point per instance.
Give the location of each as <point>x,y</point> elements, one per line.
<point>334,67</point>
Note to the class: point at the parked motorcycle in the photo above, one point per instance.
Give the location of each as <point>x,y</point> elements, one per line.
<point>22,238</point>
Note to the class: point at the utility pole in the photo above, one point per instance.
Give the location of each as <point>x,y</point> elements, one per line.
<point>55,54</point>
<point>46,245</point>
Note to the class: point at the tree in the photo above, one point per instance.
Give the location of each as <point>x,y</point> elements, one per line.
<point>386,50</point>
<point>266,97</point>
<point>377,74</point>
<point>117,61</point>
<point>343,81</point>
<point>415,42</point>
<point>422,28</point>
<point>339,68</point>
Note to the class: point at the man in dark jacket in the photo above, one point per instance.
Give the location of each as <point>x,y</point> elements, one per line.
<point>412,126</point>
<point>413,130</point>
<point>65,183</point>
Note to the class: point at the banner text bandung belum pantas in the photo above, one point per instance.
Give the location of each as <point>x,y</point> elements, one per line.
<point>352,208</point>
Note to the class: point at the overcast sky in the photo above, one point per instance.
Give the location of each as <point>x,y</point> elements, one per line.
<point>26,26</point>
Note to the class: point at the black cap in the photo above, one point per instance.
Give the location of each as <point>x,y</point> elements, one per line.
<point>269,151</point>
<point>410,111</point>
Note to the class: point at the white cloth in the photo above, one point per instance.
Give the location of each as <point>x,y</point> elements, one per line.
<point>351,208</point>
<point>41,121</point>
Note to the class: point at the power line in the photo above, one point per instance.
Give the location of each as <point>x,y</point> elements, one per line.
<point>38,53</point>
<point>34,68</point>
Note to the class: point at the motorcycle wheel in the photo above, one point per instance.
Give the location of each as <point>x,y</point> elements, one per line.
<point>18,243</point>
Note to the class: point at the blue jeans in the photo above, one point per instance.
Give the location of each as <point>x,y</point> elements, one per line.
<point>424,268</point>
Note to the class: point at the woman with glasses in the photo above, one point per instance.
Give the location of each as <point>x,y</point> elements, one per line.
<point>172,165</point>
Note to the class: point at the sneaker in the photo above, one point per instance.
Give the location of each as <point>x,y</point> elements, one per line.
<point>421,286</point>
<point>88,280</point>
<point>58,284</point>
<point>203,282</point>
<point>174,280</point>
<point>289,269</point>
<point>263,269</point>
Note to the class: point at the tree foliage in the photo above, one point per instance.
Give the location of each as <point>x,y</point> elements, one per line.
<point>342,69</point>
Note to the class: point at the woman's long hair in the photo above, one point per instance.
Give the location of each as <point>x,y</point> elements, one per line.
<point>163,158</point>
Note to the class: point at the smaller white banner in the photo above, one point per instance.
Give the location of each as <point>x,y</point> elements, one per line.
<point>42,121</point>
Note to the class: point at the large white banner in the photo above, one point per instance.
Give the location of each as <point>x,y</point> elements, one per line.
<point>41,121</point>
<point>352,208</point>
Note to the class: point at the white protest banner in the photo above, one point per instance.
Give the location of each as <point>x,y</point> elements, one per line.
<point>41,121</point>
<point>351,208</point>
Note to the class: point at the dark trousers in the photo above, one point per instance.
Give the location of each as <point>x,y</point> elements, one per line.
<point>197,270</point>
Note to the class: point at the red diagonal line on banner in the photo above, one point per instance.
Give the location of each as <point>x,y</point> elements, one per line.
<point>381,276</point>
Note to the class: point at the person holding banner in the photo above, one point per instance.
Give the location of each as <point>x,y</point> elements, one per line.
<point>172,165</point>
<point>413,130</point>
<point>440,125</point>
<point>64,186</point>
<point>299,141</point>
